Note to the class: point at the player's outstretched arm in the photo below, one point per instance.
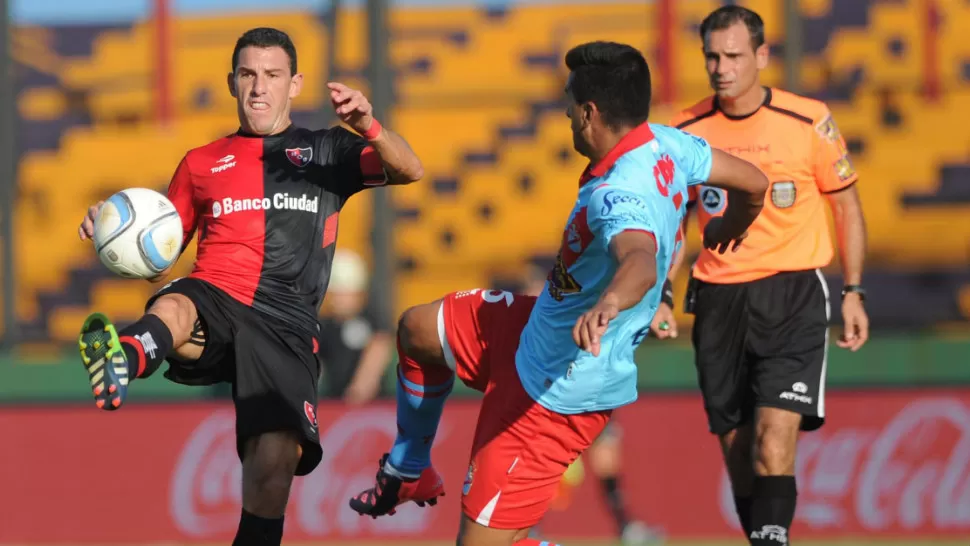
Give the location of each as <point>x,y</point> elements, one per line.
<point>400,162</point>
<point>635,252</point>
<point>746,186</point>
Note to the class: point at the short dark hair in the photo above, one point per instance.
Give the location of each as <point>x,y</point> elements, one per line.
<point>615,77</point>
<point>265,37</point>
<point>725,16</point>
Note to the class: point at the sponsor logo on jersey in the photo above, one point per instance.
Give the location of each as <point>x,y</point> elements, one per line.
<point>663,174</point>
<point>225,164</point>
<point>279,201</point>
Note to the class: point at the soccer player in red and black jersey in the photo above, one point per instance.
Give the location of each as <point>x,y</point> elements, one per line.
<point>264,202</point>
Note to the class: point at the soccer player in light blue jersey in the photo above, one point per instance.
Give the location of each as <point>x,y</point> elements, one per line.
<point>553,368</point>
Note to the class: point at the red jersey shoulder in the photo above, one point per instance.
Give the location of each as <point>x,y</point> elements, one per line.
<point>213,157</point>
<point>702,109</point>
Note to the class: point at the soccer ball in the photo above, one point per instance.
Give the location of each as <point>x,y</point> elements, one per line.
<point>137,233</point>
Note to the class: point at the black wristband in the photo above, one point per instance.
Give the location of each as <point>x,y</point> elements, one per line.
<point>854,289</point>
<point>667,295</point>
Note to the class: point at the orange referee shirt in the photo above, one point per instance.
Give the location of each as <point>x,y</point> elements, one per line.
<point>796,143</point>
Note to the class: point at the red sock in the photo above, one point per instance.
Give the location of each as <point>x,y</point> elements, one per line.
<point>429,377</point>
<point>534,542</point>
<point>421,394</point>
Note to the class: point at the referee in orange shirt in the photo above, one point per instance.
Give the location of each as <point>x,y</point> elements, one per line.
<point>762,311</point>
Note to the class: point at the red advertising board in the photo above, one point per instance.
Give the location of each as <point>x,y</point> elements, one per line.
<point>890,463</point>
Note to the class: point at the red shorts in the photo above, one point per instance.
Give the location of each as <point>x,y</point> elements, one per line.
<point>521,449</point>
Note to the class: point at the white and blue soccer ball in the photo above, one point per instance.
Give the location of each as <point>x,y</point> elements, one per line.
<point>137,233</point>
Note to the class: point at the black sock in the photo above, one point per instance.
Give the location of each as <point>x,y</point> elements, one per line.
<point>614,499</point>
<point>257,531</point>
<point>772,510</point>
<point>743,506</point>
<point>146,344</point>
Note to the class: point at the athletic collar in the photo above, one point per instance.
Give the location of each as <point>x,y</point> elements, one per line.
<point>289,129</point>
<point>766,102</point>
<point>637,137</point>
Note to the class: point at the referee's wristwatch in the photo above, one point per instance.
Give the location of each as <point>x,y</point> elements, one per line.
<point>854,289</point>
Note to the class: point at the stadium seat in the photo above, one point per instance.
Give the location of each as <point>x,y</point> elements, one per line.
<point>479,96</point>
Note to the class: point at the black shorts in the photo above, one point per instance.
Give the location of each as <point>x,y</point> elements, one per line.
<point>762,343</point>
<point>271,366</point>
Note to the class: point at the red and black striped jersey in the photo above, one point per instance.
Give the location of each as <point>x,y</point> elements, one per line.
<point>266,211</point>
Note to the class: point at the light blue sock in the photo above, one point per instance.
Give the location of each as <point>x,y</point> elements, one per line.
<point>420,401</point>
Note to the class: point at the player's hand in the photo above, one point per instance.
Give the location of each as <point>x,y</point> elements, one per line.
<point>86,230</point>
<point>856,322</point>
<point>591,326</point>
<point>352,107</point>
<point>664,325</point>
<point>719,238</point>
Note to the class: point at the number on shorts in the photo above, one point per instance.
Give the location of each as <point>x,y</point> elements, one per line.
<point>495,296</point>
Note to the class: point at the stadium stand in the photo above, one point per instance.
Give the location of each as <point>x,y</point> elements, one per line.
<point>479,96</point>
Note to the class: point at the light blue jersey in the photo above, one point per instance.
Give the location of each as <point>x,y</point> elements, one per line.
<point>640,185</point>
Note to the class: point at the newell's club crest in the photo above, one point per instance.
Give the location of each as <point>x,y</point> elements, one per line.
<point>299,156</point>
<point>469,478</point>
<point>311,413</point>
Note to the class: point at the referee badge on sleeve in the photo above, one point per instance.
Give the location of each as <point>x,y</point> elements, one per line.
<point>783,194</point>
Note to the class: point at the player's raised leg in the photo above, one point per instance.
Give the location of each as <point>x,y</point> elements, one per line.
<point>113,358</point>
<point>425,380</point>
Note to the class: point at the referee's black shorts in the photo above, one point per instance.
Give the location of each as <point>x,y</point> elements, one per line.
<point>762,343</point>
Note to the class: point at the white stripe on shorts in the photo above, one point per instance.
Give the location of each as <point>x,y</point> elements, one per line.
<point>443,338</point>
<point>825,353</point>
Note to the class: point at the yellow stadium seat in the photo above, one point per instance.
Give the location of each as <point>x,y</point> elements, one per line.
<point>473,88</point>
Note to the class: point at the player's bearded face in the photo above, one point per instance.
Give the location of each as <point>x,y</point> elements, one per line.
<point>732,62</point>
<point>579,122</point>
<point>264,88</point>
<point>580,125</point>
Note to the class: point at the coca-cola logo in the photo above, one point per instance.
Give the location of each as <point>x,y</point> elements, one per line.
<point>205,494</point>
<point>206,491</point>
<point>911,474</point>
<point>352,447</point>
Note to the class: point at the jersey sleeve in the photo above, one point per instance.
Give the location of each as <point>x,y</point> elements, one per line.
<point>613,210</point>
<point>357,163</point>
<point>698,158</point>
<point>833,168</point>
<point>693,153</point>
<point>182,194</point>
